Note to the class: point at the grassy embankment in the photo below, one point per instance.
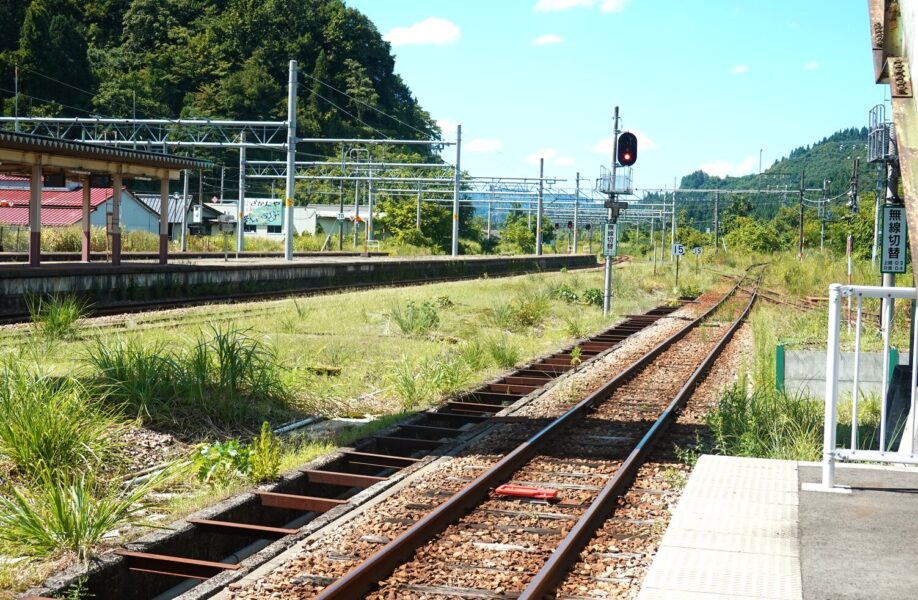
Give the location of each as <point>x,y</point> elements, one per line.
<point>753,419</point>
<point>73,392</point>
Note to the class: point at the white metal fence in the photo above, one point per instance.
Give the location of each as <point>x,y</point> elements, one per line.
<point>893,441</point>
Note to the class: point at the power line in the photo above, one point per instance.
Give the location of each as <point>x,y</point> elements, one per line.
<point>384,136</point>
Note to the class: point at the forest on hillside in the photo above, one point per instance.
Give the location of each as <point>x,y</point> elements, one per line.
<point>206,58</point>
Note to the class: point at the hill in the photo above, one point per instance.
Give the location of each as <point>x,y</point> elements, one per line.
<point>206,58</point>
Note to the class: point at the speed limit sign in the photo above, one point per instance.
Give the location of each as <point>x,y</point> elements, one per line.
<point>696,250</point>
<point>678,249</point>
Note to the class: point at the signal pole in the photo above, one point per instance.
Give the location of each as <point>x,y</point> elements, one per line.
<point>800,236</point>
<point>576,210</point>
<point>607,296</point>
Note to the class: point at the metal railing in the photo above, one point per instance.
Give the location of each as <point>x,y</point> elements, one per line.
<point>893,439</point>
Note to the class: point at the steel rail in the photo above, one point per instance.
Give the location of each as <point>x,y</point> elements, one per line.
<point>361,579</point>
<point>567,553</point>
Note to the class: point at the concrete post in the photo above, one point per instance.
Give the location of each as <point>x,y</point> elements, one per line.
<point>84,242</point>
<point>116,218</point>
<point>457,184</point>
<point>291,162</point>
<point>185,213</point>
<point>370,199</point>
<point>240,203</point>
<point>539,208</point>
<point>35,216</point>
<point>164,219</point>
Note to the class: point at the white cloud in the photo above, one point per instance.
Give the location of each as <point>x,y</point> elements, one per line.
<point>448,127</point>
<point>607,145</point>
<point>546,153</point>
<point>544,40</point>
<point>740,69</point>
<point>811,66</point>
<point>722,168</point>
<point>431,31</point>
<point>556,5</point>
<point>612,6</point>
<point>482,145</point>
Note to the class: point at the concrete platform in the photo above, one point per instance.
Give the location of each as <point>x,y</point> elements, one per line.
<point>743,529</point>
<point>131,286</point>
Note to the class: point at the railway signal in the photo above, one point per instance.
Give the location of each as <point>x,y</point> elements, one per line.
<point>627,149</point>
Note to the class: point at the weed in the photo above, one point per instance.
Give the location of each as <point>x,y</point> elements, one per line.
<point>444,302</point>
<point>78,590</point>
<point>575,325</point>
<point>689,290</point>
<point>265,455</point>
<point>71,513</point>
<point>674,478</point>
<point>472,353</point>
<point>448,372</point>
<point>221,463</point>
<point>575,357</point>
<point>593,296</point>
<point>56,316</point>
<point>502,350</point>
<point>530,307</point>
<point>416,319</point>
<point>502,315</point>
<point>566,293</point>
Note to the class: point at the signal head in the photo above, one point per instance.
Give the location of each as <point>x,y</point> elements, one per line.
<point>627,149</point>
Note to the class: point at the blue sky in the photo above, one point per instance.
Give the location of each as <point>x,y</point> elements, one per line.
<point>704,83</point>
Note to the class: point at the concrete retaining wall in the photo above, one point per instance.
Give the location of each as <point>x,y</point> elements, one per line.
<point>805,372</point>
<point>108,287</point>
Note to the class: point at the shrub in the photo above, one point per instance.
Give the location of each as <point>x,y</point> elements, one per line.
<point>56,316</point>
<point>575,326</point>
<point>593,296</point>
<point>416,319</point>
<point>265,455</point>
<point>530,307</point>
<point>502,350</point>
<point>444,302</point>
<point>47,422</point>
<point>71,513</point>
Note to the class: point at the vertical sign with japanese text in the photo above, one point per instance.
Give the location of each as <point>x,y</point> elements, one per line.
<point>610,248</point>
<point>892,259</point>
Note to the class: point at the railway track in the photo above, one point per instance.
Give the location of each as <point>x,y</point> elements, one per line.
<point>481,543</point>
<point>211,549</point>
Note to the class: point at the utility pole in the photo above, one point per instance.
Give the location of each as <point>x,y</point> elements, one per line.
<point>291,161</point>
<point>490,201</point>
<point>456,185</point>
<point>16,96</point>
<point>800,236</point>
<point>184,205</point>
<point>538,235</point>
<point>340,216</point>
<point>672,221</point>
<point>369,236</point>
<point>823,209</point>
<point>716,220</point>
<point>653,242</point>
<point>240,202</point>
<point>356,209</point>
<point>222,173</point>
<point>576,211</point>
<point>880,185</point>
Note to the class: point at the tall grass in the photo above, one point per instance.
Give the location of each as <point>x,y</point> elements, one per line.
<point>768,424</point>
<point>47,422</point>
<point>225,375</point>
<point>409,385</point>
<point>140,376</point>
<point>70,513</point>
<point>55,316</point>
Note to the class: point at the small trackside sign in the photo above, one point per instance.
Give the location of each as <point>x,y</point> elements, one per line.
<point>609,246</point>
<point>696,250</point>
<point>892,259</point>
<point>678,249</point>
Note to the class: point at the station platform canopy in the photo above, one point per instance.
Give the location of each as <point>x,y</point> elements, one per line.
<point>51,161</point>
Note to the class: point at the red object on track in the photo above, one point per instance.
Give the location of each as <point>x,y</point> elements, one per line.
<point>525,491</point>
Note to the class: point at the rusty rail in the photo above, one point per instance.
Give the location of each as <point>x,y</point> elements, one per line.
<point>360,580</point>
